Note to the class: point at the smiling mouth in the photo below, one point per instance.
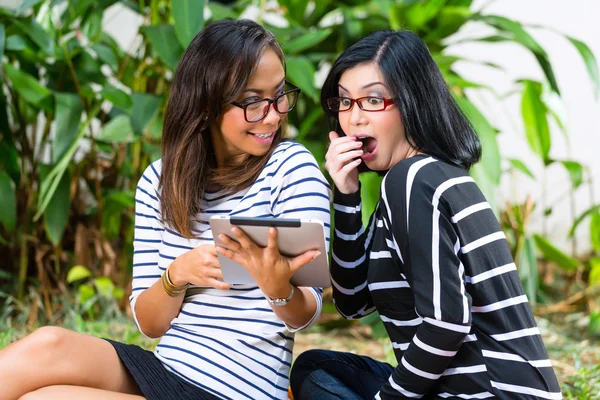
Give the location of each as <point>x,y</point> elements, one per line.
<point>262,135</point>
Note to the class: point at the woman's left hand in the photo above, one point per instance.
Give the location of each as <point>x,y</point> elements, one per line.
<point>271,271</point>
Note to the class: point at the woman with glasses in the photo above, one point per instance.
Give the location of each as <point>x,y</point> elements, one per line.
<point>223,153</point>
<point>433,260</point>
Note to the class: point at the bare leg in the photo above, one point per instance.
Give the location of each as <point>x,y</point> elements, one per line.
<point>76,393</point>
<point>55,356</point>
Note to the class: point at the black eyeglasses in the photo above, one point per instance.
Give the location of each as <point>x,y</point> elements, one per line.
<point>255,111</point>
<point>368,103</point>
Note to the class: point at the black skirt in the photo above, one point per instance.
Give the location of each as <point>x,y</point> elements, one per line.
<point>153,379</point>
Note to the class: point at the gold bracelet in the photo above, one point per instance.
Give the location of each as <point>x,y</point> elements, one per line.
<point>171,289</point>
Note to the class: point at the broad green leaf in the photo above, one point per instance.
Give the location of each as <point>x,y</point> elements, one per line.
<point>553,254</point>
<point>145,107</point>
<point>106,55</point>
<point>76,9</point>
<point>535,119</point>
<point>528,269</point>
<point>520,165</point>
<point>2,39</point>
<point>68,115</point>
<point>105,287</point>
<point>449,20</point>
<point>219,11</point>
<point>308,122</point>
<point>575,171</point>
<point>93,26</point>
<point>306,41</point>
<point>301,73</point>
<point>487,187</point>
<point>9,159</point>
<point>590,63</point>
<point>189,19</point>
<point>8,202</point>
<point>521,36</point>
<point>77,273</point>
<point>370,184</point>
<point>164,42</point>
<point>117,97</point>
<point>57,213</point>
<point>582,217</point>
<point>28,87</point>
<point>421,13</point>
<point>595,231</point>
<point>296,9</point>
<point>86,293</point>
<point>37,34</point>
<point>594,278</point>
<point>27,4</point>
<point>117,130</point>
<point>50,182</point>
<point>490,159</point>
<point>17,43</point>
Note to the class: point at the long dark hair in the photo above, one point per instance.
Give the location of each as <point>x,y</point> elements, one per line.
<point>433,123</point>
<point>213,72</point>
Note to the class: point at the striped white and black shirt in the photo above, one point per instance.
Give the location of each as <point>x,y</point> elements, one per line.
<point>436,265</point>
<point>229,343</point>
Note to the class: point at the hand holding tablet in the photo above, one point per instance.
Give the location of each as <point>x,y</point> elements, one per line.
<point>294,238</point>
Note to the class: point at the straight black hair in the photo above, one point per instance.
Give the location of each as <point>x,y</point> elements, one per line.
<point>433,122</point>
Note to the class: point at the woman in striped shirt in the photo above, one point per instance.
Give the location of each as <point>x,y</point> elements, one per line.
<point>223,154</point>
<point>433,261</point>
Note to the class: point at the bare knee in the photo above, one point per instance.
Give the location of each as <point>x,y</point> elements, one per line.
<point>44,341</point>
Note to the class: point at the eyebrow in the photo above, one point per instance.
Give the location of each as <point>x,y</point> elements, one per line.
<point>260,91</point>
<point>368,85</point>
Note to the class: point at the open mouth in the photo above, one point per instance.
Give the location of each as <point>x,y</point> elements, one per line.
<point>369,144</point>
<point>263,136</point>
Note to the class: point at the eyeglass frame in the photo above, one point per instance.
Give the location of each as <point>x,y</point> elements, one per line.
<point>386,103</point>
<point>272,102</point>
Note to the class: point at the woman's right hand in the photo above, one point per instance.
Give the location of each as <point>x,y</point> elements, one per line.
<point>342,160</point>
<point>199,267</point>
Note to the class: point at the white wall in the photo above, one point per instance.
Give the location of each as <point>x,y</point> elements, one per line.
<point>580,20</point>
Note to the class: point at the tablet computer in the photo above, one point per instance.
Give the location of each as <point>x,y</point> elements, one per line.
<point>295,236</point>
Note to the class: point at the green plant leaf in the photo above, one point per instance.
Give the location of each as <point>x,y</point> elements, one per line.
<point>164,42</point>
<point>77,273</point>
<point>590,63</point>
<point>418,14</point>
<point>106,55</point>
<point>117,97</point>
<point>189,19</point>
<point>528,269</point>
<point>370,183</point>
<point>487,187</point>
<point>93,26</point>
<point>575,171</point>
<point>2,40</point>
<point>38,35</point>
<point>490,159</point>
<point>553,254</point>
<point>521,36</point>
<point>305,41</point>
<point>535,119</point>
<point>28,87</point>
<point>117,130</point>
<point>86,293</point>
<point>56,215</point>
<point>27,4</point>
<point>8,202</point>
<point>145,107</point>
<point>594,277</point>
<point>301,73</point>
<point>583,216</point>
<point>9,159</point>
<point>220,11</point>
<point>105,287</point>
<point>68,115</point>
<point>296,9</point>
<point>520,165</point>
<point>595,230</point>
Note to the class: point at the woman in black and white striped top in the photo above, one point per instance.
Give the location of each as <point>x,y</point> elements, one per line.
<point>433,260</point>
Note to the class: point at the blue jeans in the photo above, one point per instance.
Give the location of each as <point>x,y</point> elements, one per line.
<point>325,375</point>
